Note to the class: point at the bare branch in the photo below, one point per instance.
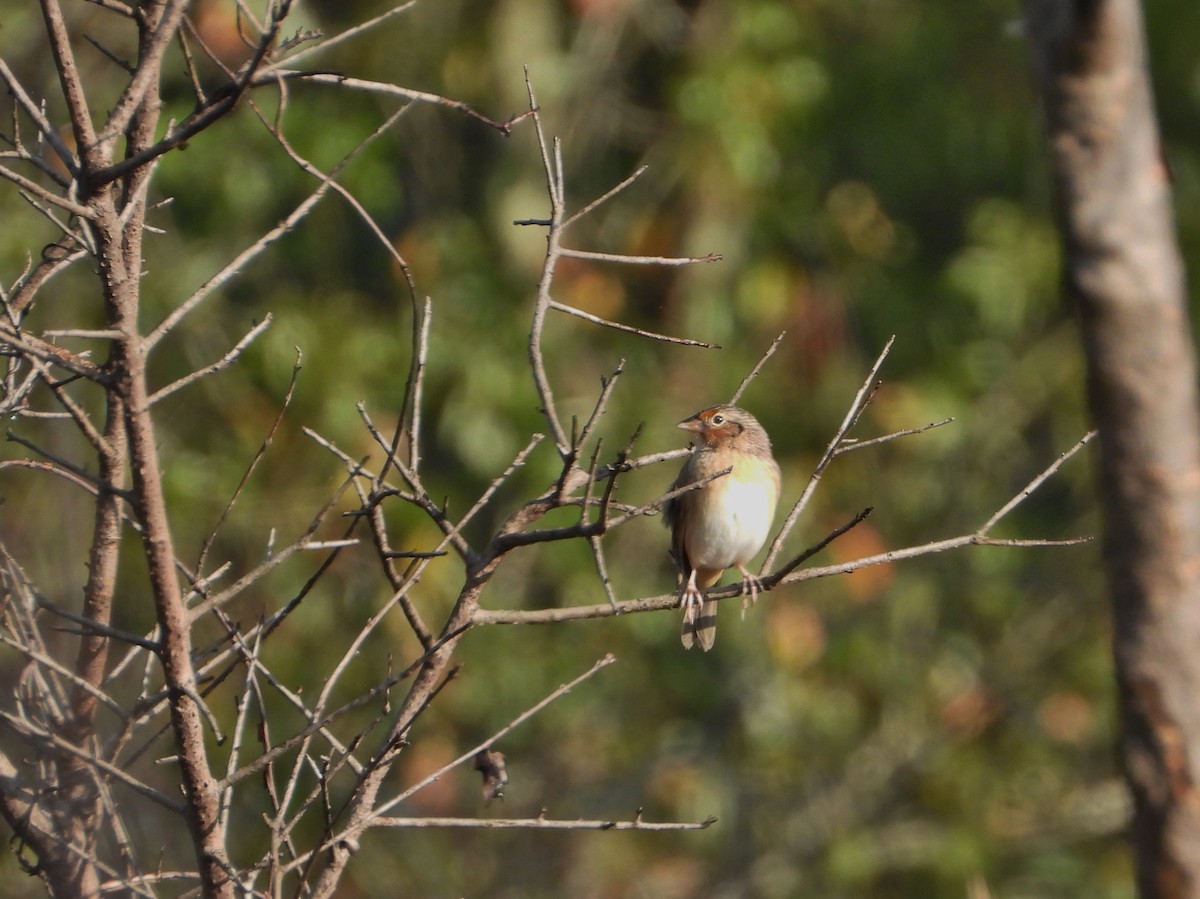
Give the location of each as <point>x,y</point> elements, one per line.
<point>37,735</point>
<point>244,705</point>
<point>554,189</point>
<point>626,259</point>
<point>543,823</point>
<point>209,112</point>
<point>91,626</point>
<point>146,76</point>
<point>112,57</point>
<point>121,9</point>
<point>220,365</point>
<point>1034,484</point>
<point>259,246</point>
<point>86,333</point>
<point>606,388</point>
<point>410,408</point>
<point>278,558</point>
<point>851,445</point>
<point>516,722</point>
<point>46,661</point>
<point>602,570</point>
<point>788,575</point>
<point>1034,543</point>
<point>671,600</point>
<point>484,498</point>
<point>605,197</point>
<point>392,90</point>
<point>319,719</point>
<point>25,289</point>
<point>629,329</point>
<point>770,351</point>
<point>78,471</point>
<point>26,344</point>
<point>72,84</point>
<point>87,482</point>
<point>46,196</point>
<point>46,131</point>
<point>262,450</point>
<point>769,582</point>
<point>856,407</point>
<point>349,33</point>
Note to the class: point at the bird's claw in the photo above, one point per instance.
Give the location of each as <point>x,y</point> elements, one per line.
<point>750,587</point>
<point>691,600</point>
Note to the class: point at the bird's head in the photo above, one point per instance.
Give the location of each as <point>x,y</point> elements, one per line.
<point>727,426</point>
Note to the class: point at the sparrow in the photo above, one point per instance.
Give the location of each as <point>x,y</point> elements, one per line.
<point>724,523</point>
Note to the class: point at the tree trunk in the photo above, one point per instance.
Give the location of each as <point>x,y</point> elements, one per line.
<point>1124,274</point>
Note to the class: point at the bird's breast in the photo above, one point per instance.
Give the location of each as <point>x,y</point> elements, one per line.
<point>733,515</point>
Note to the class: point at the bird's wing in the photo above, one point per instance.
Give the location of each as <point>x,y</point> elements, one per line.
<point>675,519</point>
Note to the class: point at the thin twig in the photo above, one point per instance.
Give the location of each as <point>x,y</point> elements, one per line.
<point>509,539</point>
<point>23,343</point>
<point>1033,485</point>
<point>770,351</point>
<point>269,77</point>
<point>319,719</point>
<point>28,730</point>
<point>606,196</point>
<point>849,446</point>
<point>88,626</point>
<point>629,329</point>
<point>537,363</point>
<point>79,472</point>
<point>47,131</point>
<point>289,223</point>
<point>258,456</point>
<point>220,365</point>
<point>45,195</point>
<point>606,388</point>
<point>414,387</point>
<point>349,33</point>
<point>516,722</point>
<point>768,583</point>
<point>859,403</point>
<point>543,823</point>
<point>627,259</point>
<point>41,658</point>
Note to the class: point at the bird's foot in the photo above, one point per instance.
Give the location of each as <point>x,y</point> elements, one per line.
<point>751,584</point>
<point>691,600</point>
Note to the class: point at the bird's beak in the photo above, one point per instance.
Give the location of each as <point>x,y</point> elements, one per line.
<point>692,424</point>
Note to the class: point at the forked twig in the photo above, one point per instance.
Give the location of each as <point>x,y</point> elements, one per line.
<point>851,418</point>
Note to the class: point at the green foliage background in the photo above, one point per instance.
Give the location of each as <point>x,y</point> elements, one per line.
<point>866,168</point>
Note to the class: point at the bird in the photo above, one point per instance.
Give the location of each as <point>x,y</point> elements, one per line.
<point>724,523</point>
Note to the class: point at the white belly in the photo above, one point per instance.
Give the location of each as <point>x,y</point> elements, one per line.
<point>734,523</point>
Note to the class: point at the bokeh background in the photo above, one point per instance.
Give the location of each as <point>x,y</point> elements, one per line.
<point>867,168</point>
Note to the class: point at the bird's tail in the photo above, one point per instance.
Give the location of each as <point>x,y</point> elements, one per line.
<point>700,628</point>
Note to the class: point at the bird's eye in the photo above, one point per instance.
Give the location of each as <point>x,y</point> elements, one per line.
<point>718,419</point>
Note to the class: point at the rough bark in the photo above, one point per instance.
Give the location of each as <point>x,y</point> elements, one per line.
<point>1124,273</point>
